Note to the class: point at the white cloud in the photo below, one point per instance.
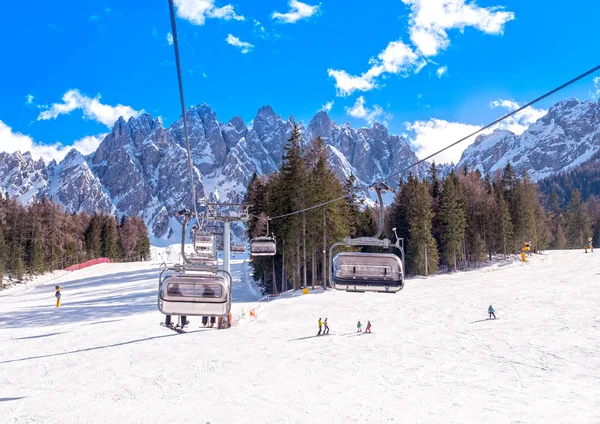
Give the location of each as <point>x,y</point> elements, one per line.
<point>91,107</point>
<point>431,19</point>
<point>358,110</point>
<point>595,94</point>
<point>87,145</point>
<point>328,106</point>
<point>170,38</point>
<point>244,46</point>
<point>298,11</point>
<point>29,99</point>
<point>519,122</point>
<point>347,84</point>
<point>396,58</point>
<point>441,71</point>
<point>196,11</point>
<point>430,136</point>
<point>11,141</point>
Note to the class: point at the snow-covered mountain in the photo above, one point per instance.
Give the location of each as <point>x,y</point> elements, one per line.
<point>566,136</point>
<point>140,168</point>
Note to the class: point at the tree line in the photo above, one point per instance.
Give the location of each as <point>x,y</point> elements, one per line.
<point>448,223</point>
<point>44,237</point>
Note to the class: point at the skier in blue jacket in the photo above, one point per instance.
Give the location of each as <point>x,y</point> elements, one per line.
<point>491,312</point>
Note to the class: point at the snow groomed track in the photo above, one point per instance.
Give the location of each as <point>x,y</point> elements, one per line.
<point>432,357</point>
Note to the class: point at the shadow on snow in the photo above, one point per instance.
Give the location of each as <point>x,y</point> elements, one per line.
<point>89,349</point>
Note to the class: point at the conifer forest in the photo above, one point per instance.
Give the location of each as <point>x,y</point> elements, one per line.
<point>43,237</point>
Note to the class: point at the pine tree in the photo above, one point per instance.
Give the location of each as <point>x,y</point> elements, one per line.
<point>578,221</point>
<point>452,220</point>
<point>559,240</point>
<point>423,254</point>
<point>503,233</point>
<point>143,242</point>
<point>19,267</point>
<point>108,236</point>
<point>93,237</point>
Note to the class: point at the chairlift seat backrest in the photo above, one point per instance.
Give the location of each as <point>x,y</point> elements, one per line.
<point>362,271</point>
<point>263,246</point>
<point>202,293</point>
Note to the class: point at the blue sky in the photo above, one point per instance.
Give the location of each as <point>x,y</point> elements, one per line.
<point>431,71</point>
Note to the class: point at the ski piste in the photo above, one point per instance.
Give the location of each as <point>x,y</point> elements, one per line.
<point>120,361</point>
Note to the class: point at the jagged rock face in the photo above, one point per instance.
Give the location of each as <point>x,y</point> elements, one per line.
<point>566,136</point>
<point>369,153</point>
<point>74,185</point>
<point>144,170</point>
<point>207,144</point>
<point>21,176</point>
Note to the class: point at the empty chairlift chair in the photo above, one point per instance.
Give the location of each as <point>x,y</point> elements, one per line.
<point>263,246</point>
<point>357,271</point>
<point>362,271</point>
<point>204,248</point>
<point>238,248</point>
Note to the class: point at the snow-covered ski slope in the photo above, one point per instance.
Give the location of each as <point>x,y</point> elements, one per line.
<point>432,357</point>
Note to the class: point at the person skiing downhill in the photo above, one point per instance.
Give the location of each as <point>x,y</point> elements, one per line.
<point>491,312</point>
<point>58,289</point>
<point>320,327</point>
<point>591,247</point>
<point>368,329</point>
<point>359,327</point>
<point>326,330</point>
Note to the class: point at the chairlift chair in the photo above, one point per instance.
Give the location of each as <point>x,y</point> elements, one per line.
<point>238,248</point>
<point>182,291</point>
<point>362,271</point>
<point>196,287</point>
<point>264,245</point>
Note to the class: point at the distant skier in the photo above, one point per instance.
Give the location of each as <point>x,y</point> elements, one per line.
<point>320,327</point>
<point>491,312</point>
<point>359,327</point>
<point>58,295</point>
<point>368,329</point>
<point>591,247</point>
<point>326,331</point>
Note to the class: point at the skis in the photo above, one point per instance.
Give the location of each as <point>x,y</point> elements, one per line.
<point>174,328</point>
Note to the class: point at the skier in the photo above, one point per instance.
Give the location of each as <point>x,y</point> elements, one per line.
<point>320,327</point>
<point>359,327</point>
<point>326,331</point>
<point>57,294</point>
<point>368,329</point>
<point>491,312</point>
<point>590,245</point>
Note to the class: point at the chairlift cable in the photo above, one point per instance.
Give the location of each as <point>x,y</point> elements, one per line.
<point>179,78</point>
